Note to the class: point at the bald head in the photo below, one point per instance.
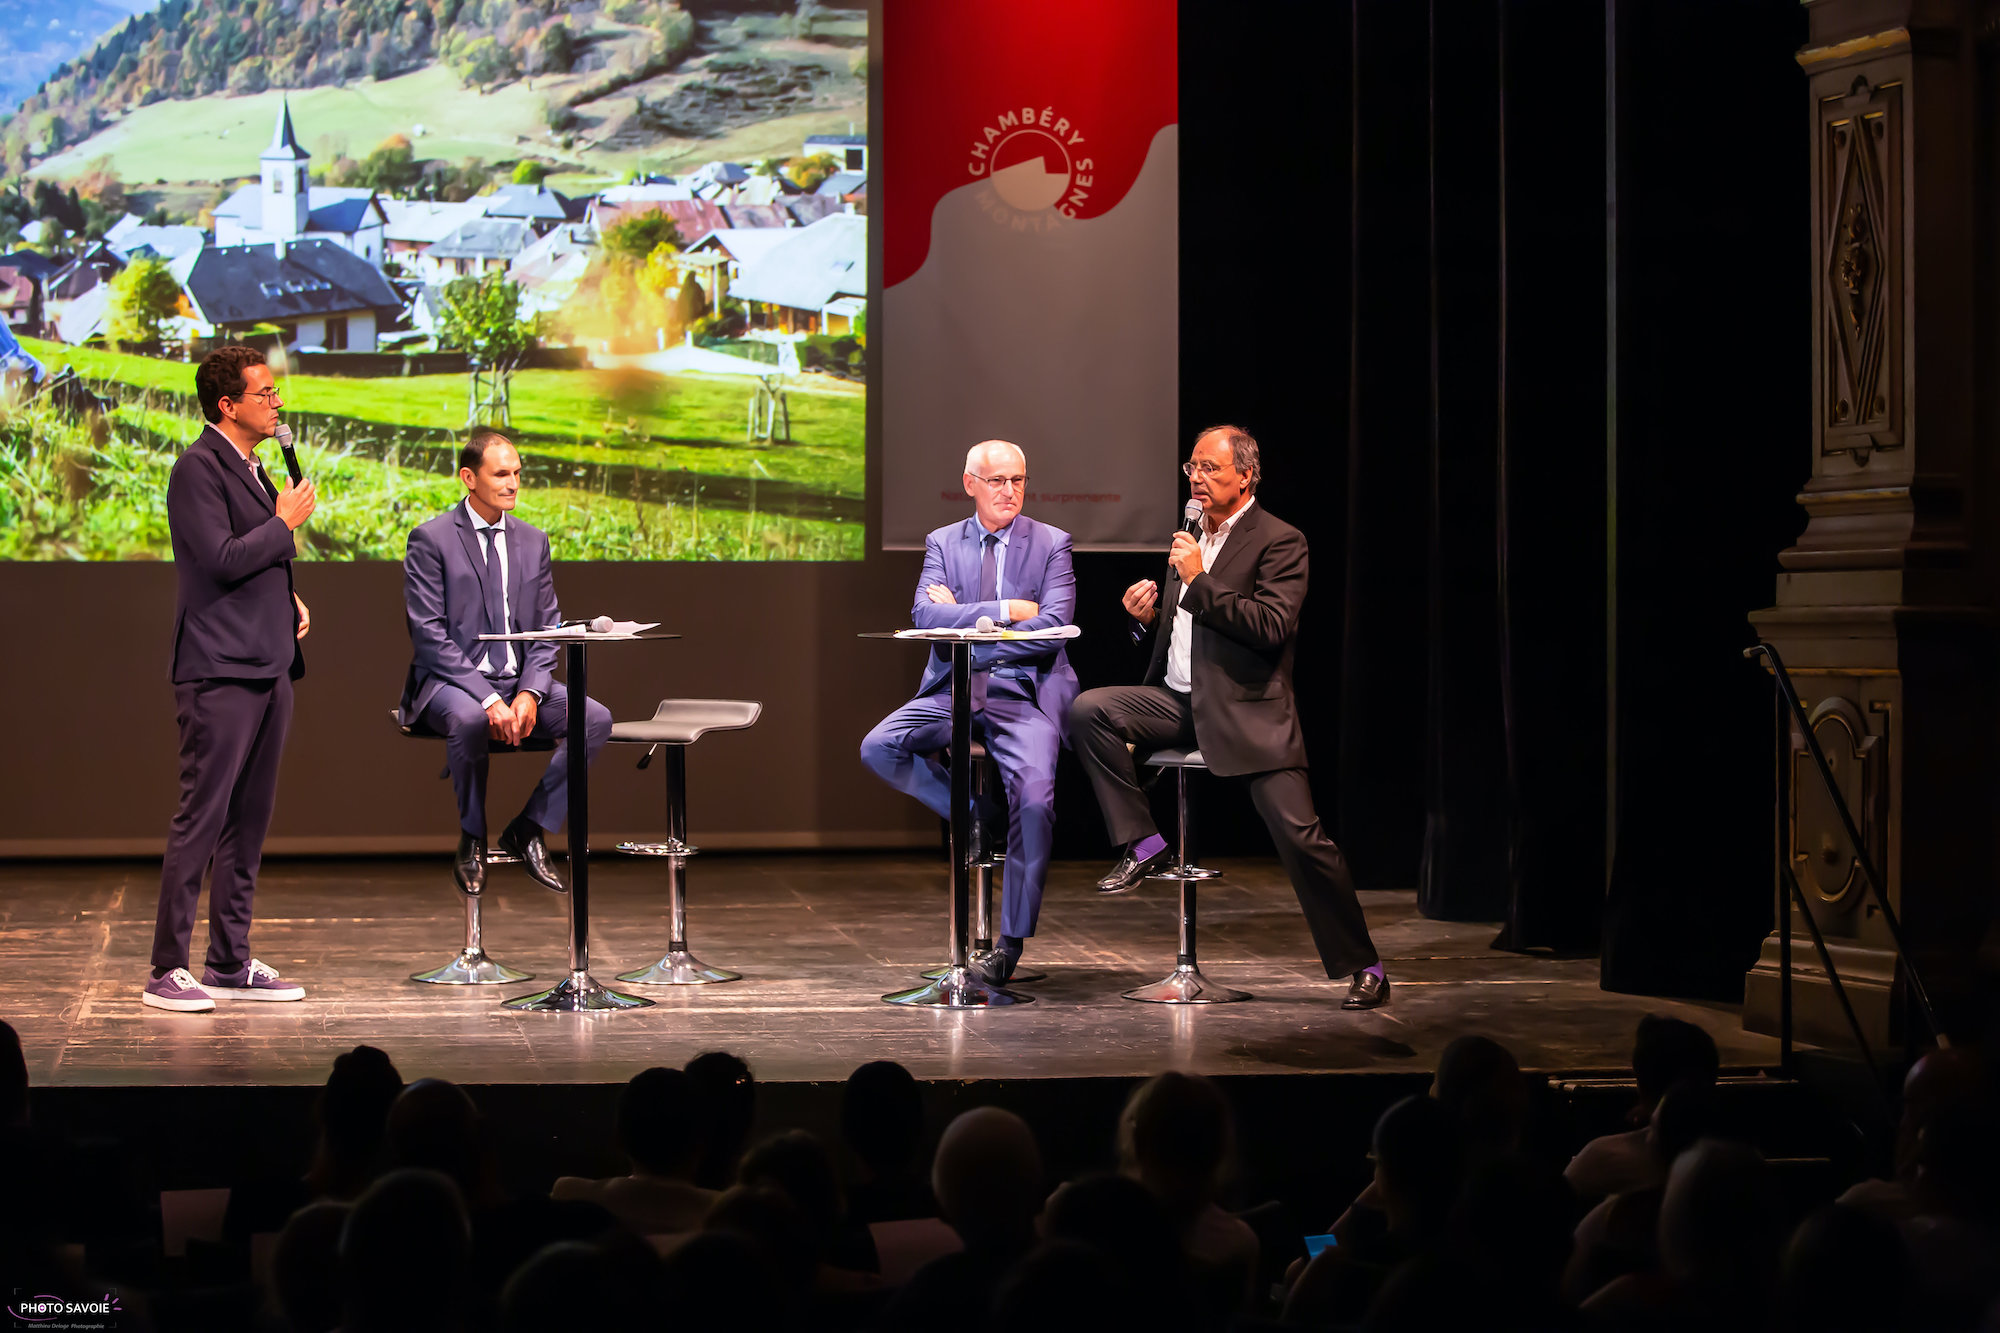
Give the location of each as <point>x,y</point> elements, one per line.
<point>996,477</point>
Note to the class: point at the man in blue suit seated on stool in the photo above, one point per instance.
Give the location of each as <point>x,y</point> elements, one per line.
<point>476,569</point>
<point>1003,565</point>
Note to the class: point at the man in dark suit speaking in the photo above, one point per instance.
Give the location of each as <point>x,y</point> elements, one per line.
<point>237,626</point>
<point>1002,566</point>
<point>476,569</point>
<point>1220,677</point>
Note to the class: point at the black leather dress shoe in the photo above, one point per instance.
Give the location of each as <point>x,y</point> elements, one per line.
<point>523,838</point>
<point>469,866</point>
<point>996,966</point>
<point>1368,991</point>
<point>1130,870</point>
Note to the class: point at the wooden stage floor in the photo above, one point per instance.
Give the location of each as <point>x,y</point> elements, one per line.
<point>819,939</point>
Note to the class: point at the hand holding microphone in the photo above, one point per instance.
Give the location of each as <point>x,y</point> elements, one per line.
<point>1185,557</point>
<point>297,501</point>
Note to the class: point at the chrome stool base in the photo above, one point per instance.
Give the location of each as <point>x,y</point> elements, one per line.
<point>958,988</point>
<point>1181,873</point>
<point>679,968</point>
<point>472,968</point>
<point>574,994</point>
<point>1186,985</point>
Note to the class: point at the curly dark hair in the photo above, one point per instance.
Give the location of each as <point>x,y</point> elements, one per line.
<point>221,376</point>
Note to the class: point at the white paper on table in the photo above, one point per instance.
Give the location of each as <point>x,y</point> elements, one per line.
<point>620,629</point>
<point>992,635</point>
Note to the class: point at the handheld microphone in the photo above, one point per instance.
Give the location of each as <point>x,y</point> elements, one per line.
<point>1191,519</point>
<point>984,625</point>
<point>600,625</point>
<point>284,438</point>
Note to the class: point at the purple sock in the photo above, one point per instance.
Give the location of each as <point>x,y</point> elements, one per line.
<point>1146,847</point>
<point>1376,968</point>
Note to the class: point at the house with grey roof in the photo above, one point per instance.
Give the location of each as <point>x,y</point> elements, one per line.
<point>319,294</point>
<point>814,281</point>
<point>475,248</point>
<point>537,205</point>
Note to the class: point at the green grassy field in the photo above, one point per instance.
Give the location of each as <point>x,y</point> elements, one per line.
<point>665,422</point>
<point>76,490</point>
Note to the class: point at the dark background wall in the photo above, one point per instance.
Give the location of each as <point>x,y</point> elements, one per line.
<point>1407,246</point>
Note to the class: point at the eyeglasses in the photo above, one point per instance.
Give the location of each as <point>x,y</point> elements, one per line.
<point>1019,483</point>
<point>1205,468</point>
<point>268,397</point>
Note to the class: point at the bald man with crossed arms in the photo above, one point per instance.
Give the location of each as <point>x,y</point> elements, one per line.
<point>1001,564</point>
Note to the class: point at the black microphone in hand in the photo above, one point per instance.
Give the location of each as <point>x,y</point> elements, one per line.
<point>1191,519</point>
<point>284,438</point>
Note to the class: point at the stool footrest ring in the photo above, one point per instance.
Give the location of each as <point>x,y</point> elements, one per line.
<point>1177,873</point>
<point>671,847</point>
<point>472,968</point>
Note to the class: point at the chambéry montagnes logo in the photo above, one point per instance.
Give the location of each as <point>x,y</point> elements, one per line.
<point>1029,160</point>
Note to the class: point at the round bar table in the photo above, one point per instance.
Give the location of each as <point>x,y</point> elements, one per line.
<point>578,991</point>
<point>958,986</point>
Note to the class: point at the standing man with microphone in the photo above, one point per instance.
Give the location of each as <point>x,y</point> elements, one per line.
<point>237,626</point>
<point>1219,676</point>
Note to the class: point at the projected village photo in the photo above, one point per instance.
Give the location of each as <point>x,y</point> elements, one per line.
<point>633,234</point>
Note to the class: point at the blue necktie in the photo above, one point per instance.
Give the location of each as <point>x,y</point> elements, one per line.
<point>496,613</point>
<point>989,591</point>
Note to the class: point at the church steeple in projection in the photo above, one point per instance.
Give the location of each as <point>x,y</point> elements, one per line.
<point>286,180</point>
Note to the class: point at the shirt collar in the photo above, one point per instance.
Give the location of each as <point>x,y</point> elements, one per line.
<point>1003,534</point>
<point>478,523</point>
<point>1223,528</point>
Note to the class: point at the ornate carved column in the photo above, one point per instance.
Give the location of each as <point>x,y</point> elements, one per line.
<point>1884,605</point>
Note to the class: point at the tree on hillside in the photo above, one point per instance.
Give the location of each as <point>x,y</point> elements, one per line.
<point>810,172</point>
<point>558,52</point>
<point>143,297</point>
<point>530,172</point>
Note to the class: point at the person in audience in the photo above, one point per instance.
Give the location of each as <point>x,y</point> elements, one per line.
<point>663,1115</point>
<point>1936,1081</point>
<point>718,1280</point>
<point>1063,1287</point>
<point>730,1091</point>
<point>1500,1262</point>
<point>435,1126</point>
<point>1953,1233</point>
<point>1174,1138</point>
<point>405,1252</point>
<point>1665,1051</point>
<point>1844,1271</point>
<point>612,1283</point>
<point>1126,1222</point>
<point>797,1164</point>
<point>1419,1167</point>
<point>305,1267</point>
<point>882,1124</point>
<point>13,1080</point>
<point>1720,1233</point>
<point>353,1116</point>
<point>988,1179</point>
<point>780,1236</point>
<point>1618,1235</point>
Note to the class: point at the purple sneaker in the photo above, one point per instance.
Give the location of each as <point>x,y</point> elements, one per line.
<point>177,991</point>
<point>257,981</point>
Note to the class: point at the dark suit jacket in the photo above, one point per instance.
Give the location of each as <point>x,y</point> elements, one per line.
<point>1246,621</point>
<point>233,612</point>
<point>444,594</point>
<point>1038,570</point>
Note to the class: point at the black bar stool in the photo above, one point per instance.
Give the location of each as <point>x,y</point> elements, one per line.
<point>675,725</point>
<point>1185,984</point>
<point>472,967</point>
<point>988,864</point>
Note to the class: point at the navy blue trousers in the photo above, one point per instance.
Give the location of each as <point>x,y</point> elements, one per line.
<point>457,716</point>
<point>1022,741</point>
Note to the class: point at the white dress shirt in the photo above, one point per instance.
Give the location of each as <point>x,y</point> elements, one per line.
<point>479,526</point>
<point>1180,649</point>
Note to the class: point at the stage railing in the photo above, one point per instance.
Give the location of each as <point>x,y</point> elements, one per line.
<point>1788,711</point>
